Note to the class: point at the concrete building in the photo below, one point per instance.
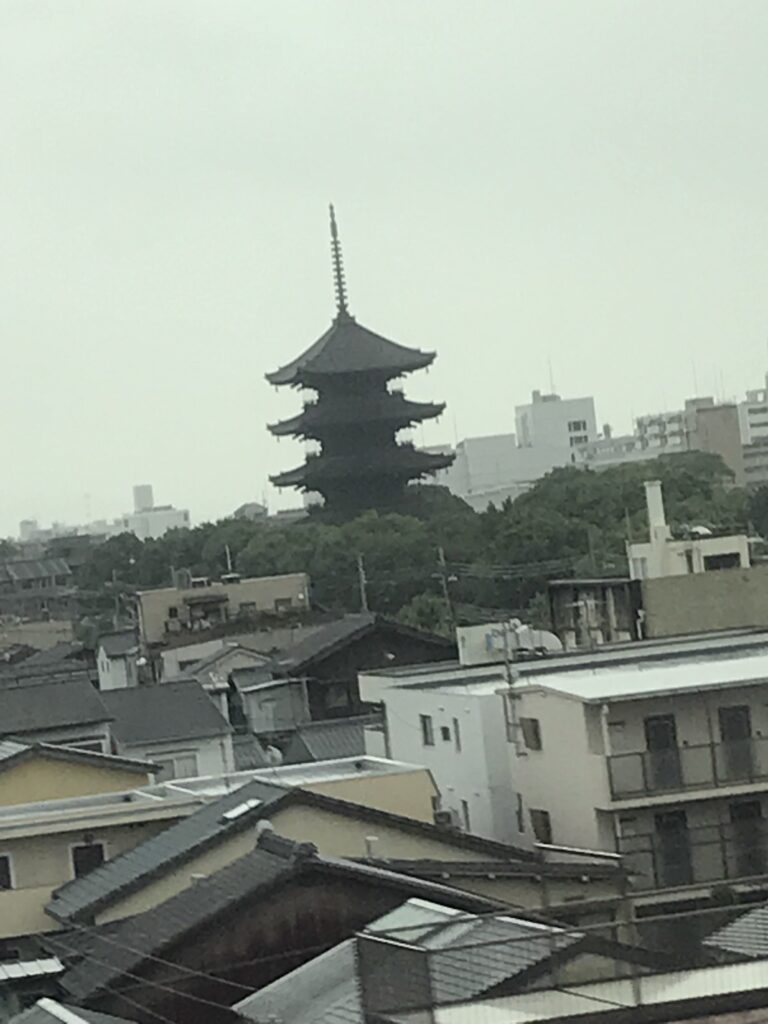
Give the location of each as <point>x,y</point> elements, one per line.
<point>664,555</point>
<point>198,603</point>
<point>753,415</point>
<point>755,456</point>
<point>665,739</point>
<point>549,421</point>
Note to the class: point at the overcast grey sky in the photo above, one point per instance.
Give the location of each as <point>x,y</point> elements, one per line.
<point>581,181</point>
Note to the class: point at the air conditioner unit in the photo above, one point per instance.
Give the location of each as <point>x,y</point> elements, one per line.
<point>447,818</point>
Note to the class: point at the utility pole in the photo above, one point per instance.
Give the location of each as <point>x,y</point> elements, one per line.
<point>363,583</point>
<point>446,591</point>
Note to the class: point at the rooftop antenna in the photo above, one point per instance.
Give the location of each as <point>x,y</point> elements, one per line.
<point>339,284</point>
<point>551,376</point>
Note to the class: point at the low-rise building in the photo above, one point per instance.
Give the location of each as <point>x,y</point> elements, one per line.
<point>39,588</point>
<point>118,660</point>
<point>197,604</point>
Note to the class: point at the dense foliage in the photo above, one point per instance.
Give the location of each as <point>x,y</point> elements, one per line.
<point>571,522</point>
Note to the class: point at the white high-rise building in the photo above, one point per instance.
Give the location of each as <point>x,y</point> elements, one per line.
<point>143,497</point>
<point>555,422</point>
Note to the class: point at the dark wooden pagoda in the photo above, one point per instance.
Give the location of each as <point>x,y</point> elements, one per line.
<point>356,415</point>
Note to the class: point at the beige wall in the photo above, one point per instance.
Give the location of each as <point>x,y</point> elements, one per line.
<point>40,864</point>
<point>406,793</point>
<point>42,778</point>
<point>263,592</point>
<point>726,599</point>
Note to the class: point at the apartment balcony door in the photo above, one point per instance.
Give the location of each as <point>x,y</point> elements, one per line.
<point>736,749</point>
<point>673,849</point>
<point>663,758</point>
<point>748,834</point>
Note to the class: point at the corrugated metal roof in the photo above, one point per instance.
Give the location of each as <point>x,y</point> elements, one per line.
<point>82,896</point>
<point>13,970</point>
<point>747,935</point>
<point>50,1011</point>
<point>166,711</point>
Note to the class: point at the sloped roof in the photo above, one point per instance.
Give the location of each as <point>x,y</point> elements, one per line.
<point>50,705</point>
<point>33,568</point>
<point>210,661</point>
<point>117,645</point>
<point>164,712</point>
<point>64,650</point>
<point>348,347</point>
<point>23,674</point>
<point>747,935</point>
<point>82,897</point>
<point>322,741</point>
<point>11,752</point>
<point>333,635</point>
<point>49,1011</point>
<point>274,861</point>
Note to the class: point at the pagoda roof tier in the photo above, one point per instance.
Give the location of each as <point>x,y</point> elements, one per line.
<point>348,347</point>
<point>403,461</point>
<point>392,407</point>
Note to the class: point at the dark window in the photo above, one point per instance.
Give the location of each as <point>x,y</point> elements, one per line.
<point>427,730</point>
<point>5,872</point>
<point>283,604</point>
<point>173,612</point>
<point>520,812</point>
<point>87,858</point>
<point>457,733</point>
<point>729,560</point>
<point>531,733</point>
<point>465,815</point>
<point>445,732</point>
<point>541,825</point>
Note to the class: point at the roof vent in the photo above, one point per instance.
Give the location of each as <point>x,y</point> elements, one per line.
<point>237,812</point>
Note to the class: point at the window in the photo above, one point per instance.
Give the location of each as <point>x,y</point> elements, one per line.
<point>541,825</point>
<point>6,878</point>
<point>465,815</point>
<point>578,439</point>
<point>456,734</point>
<point>173,612</point>
<point>283,604</point>
<point>577,426</point>
<point>427,730</point>
<point>531,733</point>
<point>520,814</point>
<point>182,765</point>
<point>86,858</point>
<point>445,733</point>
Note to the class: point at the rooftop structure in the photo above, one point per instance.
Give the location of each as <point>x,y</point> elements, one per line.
<point>356,417</point>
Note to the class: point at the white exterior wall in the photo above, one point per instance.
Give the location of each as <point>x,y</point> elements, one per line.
<point>668,557</point>
<point>95,732</point>
<point>172,660</point>
<point>478,773</point>
<point>115,673</point>
<point>545,421</point>
<point>568,777</point>
<point>214,754</point>
<point>153,523</point>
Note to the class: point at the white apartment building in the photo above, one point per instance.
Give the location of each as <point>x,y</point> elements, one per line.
<point>555,422</point>
<point>664,555</point>
<point>656,750</point>
<point>753,415</point>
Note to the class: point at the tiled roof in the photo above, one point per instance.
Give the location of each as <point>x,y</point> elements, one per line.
<point>33,568</point>
<point>12,751</point>
<point>83,897</point>
<point>322,741</point>
<point>50,705</point>
<point>64,650</point>
<point>164,712</point>
<point>273,861</point>
<point>348,347</point>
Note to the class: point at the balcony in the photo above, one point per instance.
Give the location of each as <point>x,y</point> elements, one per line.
<point>698,856</point>
<point>679,769</point>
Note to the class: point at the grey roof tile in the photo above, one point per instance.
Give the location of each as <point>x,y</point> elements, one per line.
<point>166,711</point>
<point>40,1013</point>
<point>322,741</point>
<point>50,705</point>
<point>82,897</point>
<point>118,644</point>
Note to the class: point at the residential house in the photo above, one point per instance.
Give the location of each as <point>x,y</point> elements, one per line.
<point>271,708</point>
<point>118,660</point>
<point>40,588</point>
<point>235,930</point>
<point>39,836</point>
<point>336,737</point>
<point>63,708</point>
<point>220,832</point>
<point>175,725</point>
<point>331,657</point>
<point>197,604</point>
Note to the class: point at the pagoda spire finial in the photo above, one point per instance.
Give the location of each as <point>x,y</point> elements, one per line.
<point>339,284</point>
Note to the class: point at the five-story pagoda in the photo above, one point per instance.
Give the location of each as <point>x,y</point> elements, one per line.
<point>355,417</point>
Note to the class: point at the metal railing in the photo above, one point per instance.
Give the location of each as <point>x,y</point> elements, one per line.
<point>705,766</point>
<point>705,855</point>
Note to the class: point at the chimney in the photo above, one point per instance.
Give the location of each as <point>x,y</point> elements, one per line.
<point>657,522</point>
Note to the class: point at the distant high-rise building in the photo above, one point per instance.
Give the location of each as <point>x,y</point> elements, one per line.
<point>555,422</point>
<point>143,498</point>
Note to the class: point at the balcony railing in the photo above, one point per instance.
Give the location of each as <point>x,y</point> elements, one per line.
<point>705,855</point>
<point>707,766</point>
